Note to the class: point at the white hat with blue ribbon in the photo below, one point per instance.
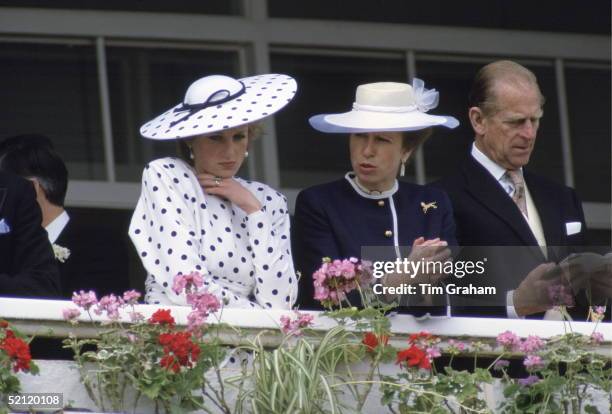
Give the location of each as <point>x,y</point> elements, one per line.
<point>387,106</point>
<point>217,102</point>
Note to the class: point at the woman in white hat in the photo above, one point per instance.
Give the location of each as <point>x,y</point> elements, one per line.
<point>194,215</point>
<point>369,206</point>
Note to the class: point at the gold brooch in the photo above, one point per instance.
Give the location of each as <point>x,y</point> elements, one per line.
<point>427,206</point>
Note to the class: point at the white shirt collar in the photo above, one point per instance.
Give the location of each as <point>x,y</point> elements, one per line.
<point>496,170</point>
<point>54,229</point>
<point>351,178</point>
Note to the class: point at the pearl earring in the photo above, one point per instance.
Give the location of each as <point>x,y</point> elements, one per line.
<point>191,154</point>
<point>403,169</point>
<point>246,154</point>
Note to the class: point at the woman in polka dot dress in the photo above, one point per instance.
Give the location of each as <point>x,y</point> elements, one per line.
<point>195,215</point>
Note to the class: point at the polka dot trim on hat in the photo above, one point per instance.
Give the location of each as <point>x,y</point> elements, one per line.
<point>263,96</point>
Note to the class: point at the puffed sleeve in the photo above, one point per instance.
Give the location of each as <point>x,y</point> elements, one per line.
<point>167,232</point>
<point>268,230</point>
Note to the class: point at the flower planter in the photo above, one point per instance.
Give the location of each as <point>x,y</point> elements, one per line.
<point>63,377</point>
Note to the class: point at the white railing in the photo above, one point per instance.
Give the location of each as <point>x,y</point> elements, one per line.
<point>44,318</point>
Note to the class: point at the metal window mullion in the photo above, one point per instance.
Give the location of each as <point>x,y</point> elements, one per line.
<point>107,132</point>
<point>566,142</point>
<point>253,155</point>
<point>268,157</point>
<point>419,157</point>
<point>255,9</point>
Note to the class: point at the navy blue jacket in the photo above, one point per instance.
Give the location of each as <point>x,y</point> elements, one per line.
<point>334,220</point>
<point>27,262</point>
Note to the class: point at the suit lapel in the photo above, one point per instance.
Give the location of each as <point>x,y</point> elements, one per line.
<point>486,190</point>
<point>2,197</point>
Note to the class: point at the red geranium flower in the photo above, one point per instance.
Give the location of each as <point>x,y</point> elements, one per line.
<point>179,350</point>
<point>18,350</point>
<point>371,341</point>
<point>161,317</point>
<point>414,356</point>
<point>424,335</point>
<point>170,363</point>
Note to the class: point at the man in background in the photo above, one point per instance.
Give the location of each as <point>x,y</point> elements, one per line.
<point>27,263</point>
<point>88,257</point>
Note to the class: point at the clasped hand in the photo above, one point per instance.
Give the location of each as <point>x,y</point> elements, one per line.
<point>425,251</point>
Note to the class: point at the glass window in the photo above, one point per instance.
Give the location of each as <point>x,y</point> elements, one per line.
<point>143,83</point>
<point>447,148</point>
<point>52,89</point>
<point>547,156</point>
<point>232,7</point>
<point>588,101</point>
<point>562,16</point>
<point>326,84</point>
<point>445,151</point>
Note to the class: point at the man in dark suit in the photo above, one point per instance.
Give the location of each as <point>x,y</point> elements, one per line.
<point>27,263</point>
<point>497,202</point>
<point>92,259</point>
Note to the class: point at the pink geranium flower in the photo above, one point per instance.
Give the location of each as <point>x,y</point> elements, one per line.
<point>71,314</point>
<point>597,337</point>
<point>188,283</point>
<point>111,305</point>
<point>533,362</point>
<point>335,278</point>
<point>532,344</point>
<point>131,297</point>
<point>509,340</point>
<point>294,326</point>
<point>84,299</point>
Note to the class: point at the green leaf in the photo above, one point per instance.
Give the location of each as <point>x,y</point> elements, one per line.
<point>590,409</point>
<point>511,389</point>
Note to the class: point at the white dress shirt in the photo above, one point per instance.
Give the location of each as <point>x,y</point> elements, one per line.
<point>533,218</point>
<point>55,228</point>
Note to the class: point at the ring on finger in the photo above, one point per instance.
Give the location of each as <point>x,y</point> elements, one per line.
<point>217,181</point>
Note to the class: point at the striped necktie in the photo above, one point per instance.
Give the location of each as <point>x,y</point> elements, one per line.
<point>518,196</point>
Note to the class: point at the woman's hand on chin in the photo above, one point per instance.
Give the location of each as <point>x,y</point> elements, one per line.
<point>230,189</point>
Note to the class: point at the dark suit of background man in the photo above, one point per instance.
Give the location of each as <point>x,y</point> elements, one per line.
<point>27,263</point>
<point>505,107</point>
<point>96,259</point>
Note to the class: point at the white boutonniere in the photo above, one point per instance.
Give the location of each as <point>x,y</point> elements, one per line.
<point>61,253</point>
<point>427,206</point>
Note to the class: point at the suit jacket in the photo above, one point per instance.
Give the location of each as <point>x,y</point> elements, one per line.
<point>334,220</point>
<point>27,262</point>
<point>486,216</point>
<point>98,259</point>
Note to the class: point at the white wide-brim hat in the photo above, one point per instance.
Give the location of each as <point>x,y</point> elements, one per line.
<point>217,102</point>
<point>386,106</point>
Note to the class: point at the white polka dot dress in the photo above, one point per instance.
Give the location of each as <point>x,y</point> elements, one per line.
<point>177,228</point>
